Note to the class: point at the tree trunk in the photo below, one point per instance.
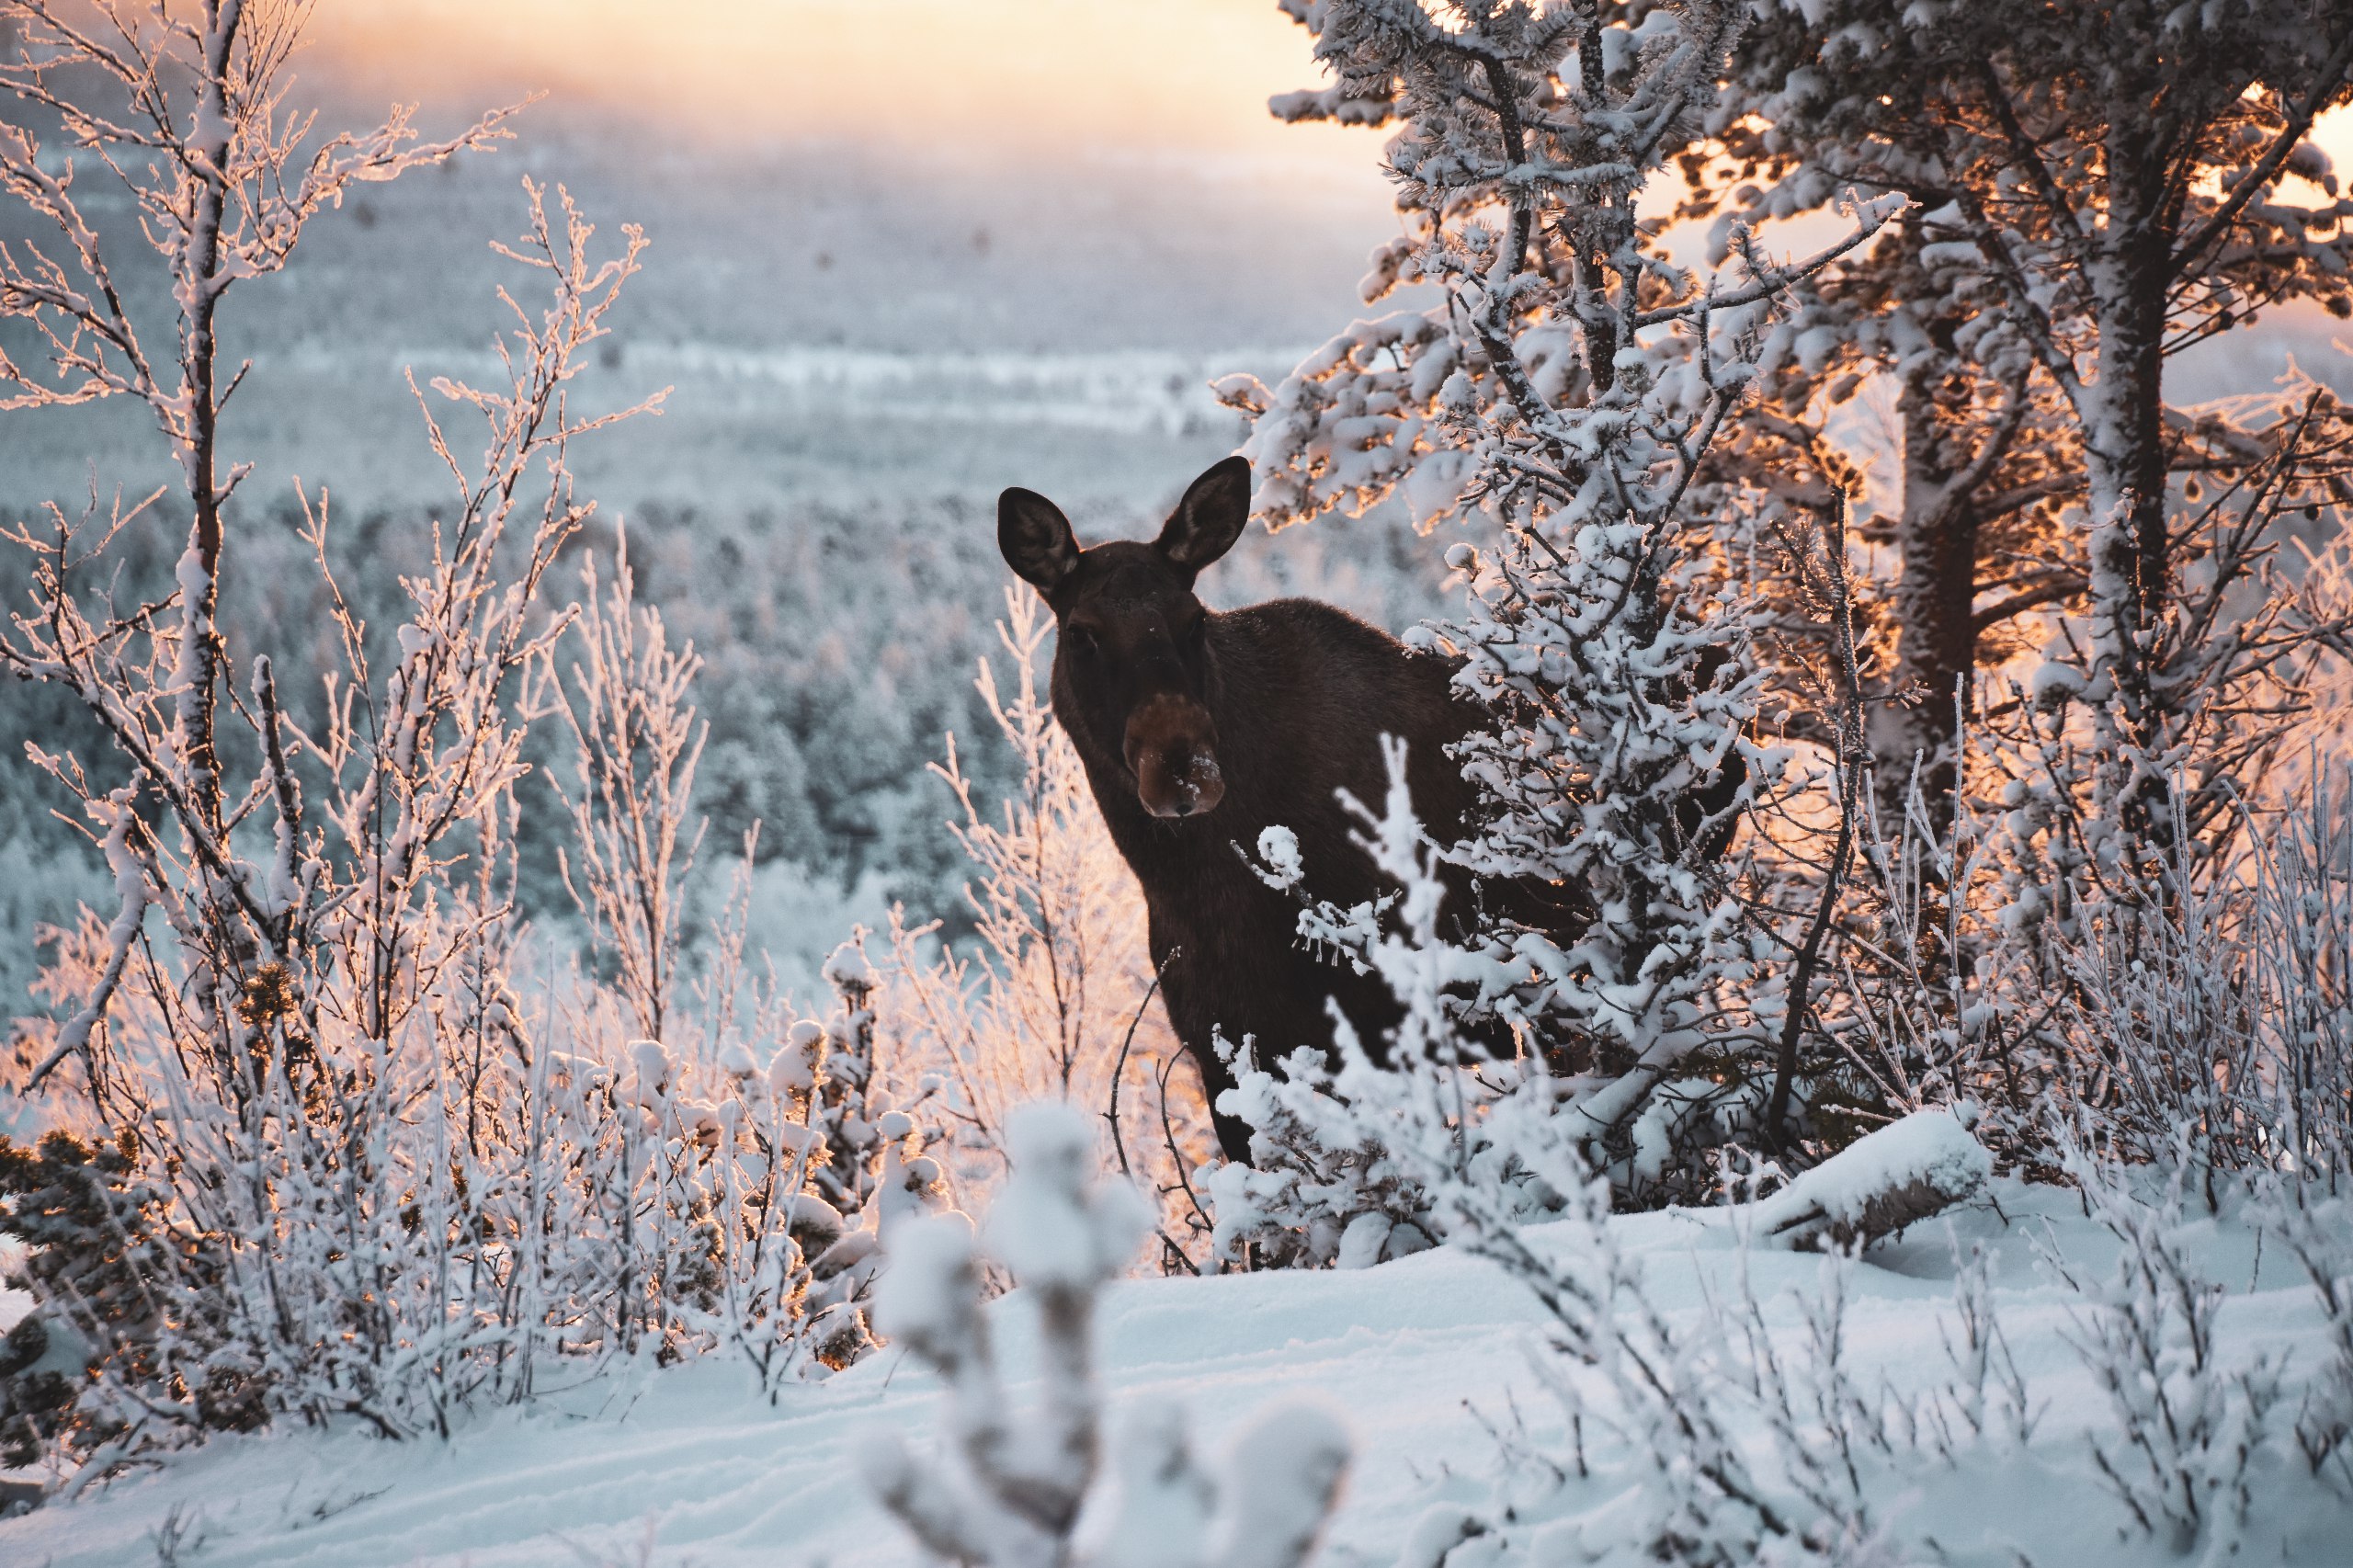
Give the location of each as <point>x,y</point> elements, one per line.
<point>199,286</point>
<point>1935,603</point>
<point>2125,468</point>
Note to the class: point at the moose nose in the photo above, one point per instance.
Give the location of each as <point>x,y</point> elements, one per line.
<point>1179,783</point>
<point>1172,749</point>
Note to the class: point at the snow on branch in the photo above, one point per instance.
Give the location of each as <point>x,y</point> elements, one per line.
<point>1906,1171</point>
<point>1353,1164</point>
<point>1009,1486</point>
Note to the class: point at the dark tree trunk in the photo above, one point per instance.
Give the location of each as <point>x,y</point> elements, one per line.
<point>1936,607</point>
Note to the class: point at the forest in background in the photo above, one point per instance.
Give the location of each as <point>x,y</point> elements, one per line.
<point>840,578</point>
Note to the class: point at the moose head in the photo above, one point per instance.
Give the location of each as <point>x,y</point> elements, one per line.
<point>1136,666</point>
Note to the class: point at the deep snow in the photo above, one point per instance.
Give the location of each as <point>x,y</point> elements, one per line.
<point>1417,1357</point>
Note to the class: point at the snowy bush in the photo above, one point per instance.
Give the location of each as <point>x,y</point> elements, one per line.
<point>1357,1163</point>
<point>2188,1426</point>
<point>1320,1187</point>
<point>1009,1488</point>
<point>1338,1151</point>
<point>319,1147</point>
<point>2315,1232</point>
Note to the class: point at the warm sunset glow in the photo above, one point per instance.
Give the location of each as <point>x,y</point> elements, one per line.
<point>1073,75</point>
<point>954,78</point>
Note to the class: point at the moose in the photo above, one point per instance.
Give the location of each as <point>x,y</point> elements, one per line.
<point>1198,728</point>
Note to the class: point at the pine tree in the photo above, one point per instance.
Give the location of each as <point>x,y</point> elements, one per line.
<point>2099,186</point>
<point>1571,390</point>
<point>1984,465</point>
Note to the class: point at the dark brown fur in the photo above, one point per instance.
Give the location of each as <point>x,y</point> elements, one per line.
<point>1290,699</point>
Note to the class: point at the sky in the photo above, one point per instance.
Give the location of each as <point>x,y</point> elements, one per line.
<point>1093,186</point>
<point>986,81</point>
<point>1156,75</point>
<point>1165,74</point>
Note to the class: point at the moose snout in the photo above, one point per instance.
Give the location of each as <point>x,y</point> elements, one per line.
<point>1172,750</point>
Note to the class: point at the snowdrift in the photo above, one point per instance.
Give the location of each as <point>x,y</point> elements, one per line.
<point>1423,1359</point>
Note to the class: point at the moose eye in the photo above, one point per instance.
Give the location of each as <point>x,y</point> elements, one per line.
<point>1082,641</point>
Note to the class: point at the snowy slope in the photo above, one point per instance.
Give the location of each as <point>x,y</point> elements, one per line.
<point>1419,1357</point>
<point>837,321</point>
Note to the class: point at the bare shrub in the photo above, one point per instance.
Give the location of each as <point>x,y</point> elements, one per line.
<point>1056,997</point>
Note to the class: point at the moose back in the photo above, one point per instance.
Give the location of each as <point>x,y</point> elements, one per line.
<point>1198,728</point>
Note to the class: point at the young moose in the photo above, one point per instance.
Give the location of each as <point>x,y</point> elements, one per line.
<point>1199,729</point>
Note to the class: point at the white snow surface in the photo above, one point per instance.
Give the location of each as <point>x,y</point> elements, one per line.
<point>1414,1357</point>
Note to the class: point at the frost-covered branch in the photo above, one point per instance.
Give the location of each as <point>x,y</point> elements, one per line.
<point>1010,1484</point>
<point>1567,395</point>
<point>635,746</point>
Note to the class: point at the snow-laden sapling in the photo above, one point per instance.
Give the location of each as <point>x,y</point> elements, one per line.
<point>1009,1486</point>
<point>1329,1179</point>
<point>873,1171</point>
<point>1570,391</point>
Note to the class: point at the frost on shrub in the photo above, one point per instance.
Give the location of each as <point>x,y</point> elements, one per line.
<point>2187,1424</point>
<point>1320,1188</point>
<point>1323,1188</point>
<point>1010,1486</point>
<point>1338,1147</point>
<point>1735,1425</point>
<point>1659,1456</point>
<point>1055,996</point>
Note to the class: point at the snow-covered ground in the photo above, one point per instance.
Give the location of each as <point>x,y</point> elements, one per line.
<point>1420,1357</point>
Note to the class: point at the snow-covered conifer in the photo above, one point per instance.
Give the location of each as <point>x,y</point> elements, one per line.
<point>1570,389</point>
<point>2099,187</point>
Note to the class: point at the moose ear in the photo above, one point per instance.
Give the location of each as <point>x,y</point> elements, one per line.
<point>1035,539</point>
<point>1209,519</point>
